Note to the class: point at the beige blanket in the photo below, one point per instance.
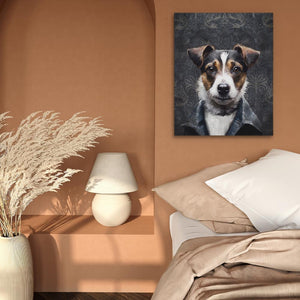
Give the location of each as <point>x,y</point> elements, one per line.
<point>263,266</point>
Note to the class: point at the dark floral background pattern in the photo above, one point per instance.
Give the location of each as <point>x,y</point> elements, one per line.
<point>223,30</point>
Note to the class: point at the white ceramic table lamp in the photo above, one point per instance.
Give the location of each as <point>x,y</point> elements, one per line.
<point>111,179</point>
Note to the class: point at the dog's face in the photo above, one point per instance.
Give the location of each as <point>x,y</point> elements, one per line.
<point>223,77</point>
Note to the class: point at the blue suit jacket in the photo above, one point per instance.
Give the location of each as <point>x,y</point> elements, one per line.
<point>245,122</point>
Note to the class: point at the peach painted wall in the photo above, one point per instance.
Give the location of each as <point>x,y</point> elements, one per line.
<point>98,56</point>
<point>93,56</point>
<point>178,156</point>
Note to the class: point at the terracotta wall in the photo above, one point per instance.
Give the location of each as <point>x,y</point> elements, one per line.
<point>178,156</point>
<point>98,56</point>
<point>93,56</point>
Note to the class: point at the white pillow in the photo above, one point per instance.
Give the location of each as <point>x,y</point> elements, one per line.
<point>267,191</point>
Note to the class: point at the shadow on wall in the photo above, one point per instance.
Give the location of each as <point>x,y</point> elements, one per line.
<point>72,201</point>
<point>44,249</point>
<point>39,249</point>
<point>58,266</point>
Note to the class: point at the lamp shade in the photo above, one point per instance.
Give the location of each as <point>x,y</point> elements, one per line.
<point>111,174</point>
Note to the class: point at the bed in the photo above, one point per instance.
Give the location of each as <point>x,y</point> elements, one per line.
<point>243,242</point>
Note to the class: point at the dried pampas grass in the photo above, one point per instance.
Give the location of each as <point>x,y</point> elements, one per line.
<point>31,159</point>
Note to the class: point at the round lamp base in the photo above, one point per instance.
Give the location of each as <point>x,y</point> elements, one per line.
<point>111,209</point>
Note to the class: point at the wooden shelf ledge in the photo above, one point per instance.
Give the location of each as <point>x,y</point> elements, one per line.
<point>85,224</point>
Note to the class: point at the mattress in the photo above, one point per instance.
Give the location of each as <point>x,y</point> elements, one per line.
<point>183,229</point>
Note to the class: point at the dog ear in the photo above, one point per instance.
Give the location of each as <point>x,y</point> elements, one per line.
<point>197,54</point>
<point>250,55</point>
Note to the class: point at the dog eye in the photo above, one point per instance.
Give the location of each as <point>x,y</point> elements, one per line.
<point>236,69</point>
<point>210,69</point>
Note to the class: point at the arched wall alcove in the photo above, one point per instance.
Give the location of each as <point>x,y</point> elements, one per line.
<point>98,57</point>
<point>92,56</point>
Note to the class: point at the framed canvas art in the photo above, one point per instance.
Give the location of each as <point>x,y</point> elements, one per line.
<point>223,74</point>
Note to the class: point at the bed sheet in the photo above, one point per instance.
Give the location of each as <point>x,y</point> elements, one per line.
<point>183,229</point>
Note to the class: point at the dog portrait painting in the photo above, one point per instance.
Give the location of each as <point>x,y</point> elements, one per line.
<point>223,74</point>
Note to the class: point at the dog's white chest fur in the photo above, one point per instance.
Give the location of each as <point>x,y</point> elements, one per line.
<point>218,125</point>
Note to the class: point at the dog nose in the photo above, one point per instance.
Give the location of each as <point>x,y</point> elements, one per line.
<point>223,89</point>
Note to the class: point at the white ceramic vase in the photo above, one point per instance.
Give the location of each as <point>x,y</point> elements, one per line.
<point>16,272</point>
